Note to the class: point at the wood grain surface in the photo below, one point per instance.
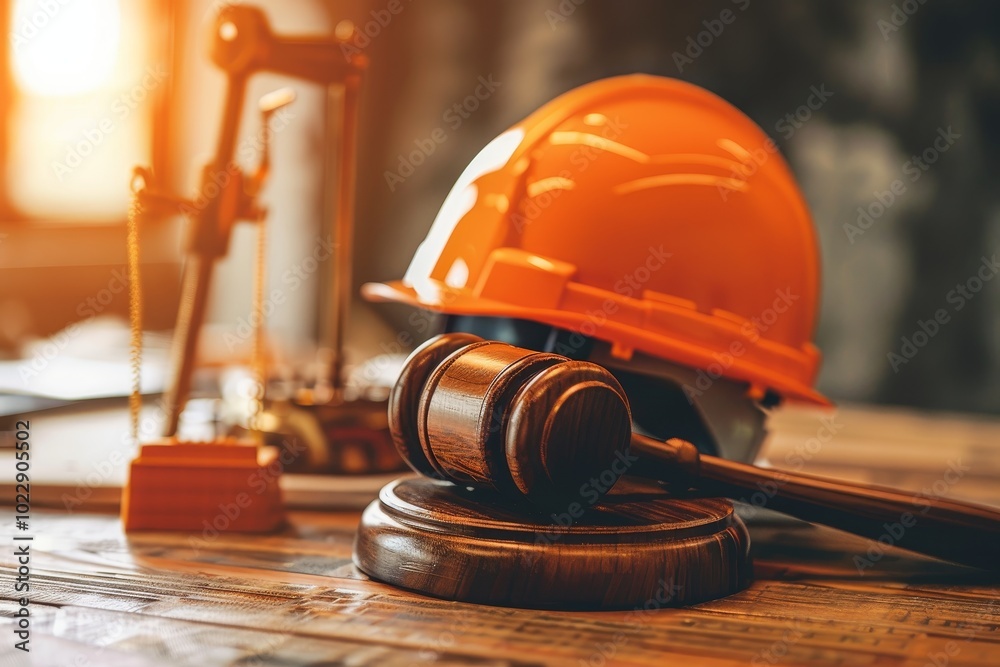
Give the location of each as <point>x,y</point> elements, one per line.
<point>295,599</point>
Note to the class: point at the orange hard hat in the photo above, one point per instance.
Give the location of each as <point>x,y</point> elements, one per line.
<point>642,211</point>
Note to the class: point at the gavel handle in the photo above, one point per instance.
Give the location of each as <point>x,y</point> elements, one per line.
<point>948,529</point>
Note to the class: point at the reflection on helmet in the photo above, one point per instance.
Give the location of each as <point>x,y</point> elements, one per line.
<point>640,211</point>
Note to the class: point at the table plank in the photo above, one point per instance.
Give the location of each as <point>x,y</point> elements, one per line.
<point>297,595</point>
<point>293,598</point>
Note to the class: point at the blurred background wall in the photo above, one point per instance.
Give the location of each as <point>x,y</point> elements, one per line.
<point>892,77</point>
<point>855,94</point>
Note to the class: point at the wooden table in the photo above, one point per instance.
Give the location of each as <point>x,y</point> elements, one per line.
<point>101,599</point>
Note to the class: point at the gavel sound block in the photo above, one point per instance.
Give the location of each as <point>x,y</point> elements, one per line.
<point>528,439</point>
<point>635,548</point>
<point>531,533</point>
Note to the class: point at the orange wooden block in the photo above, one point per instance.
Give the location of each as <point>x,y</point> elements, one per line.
<point>224,485</point>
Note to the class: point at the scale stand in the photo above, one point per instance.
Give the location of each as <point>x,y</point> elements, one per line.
<point>177,485</point>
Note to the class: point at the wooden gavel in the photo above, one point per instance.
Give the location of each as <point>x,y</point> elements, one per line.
<point>554,431</point>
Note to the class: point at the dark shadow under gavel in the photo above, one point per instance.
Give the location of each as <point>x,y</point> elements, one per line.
<point>553,431</point>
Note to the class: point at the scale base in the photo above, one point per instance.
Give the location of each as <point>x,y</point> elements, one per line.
<point>223,485</point>
<point>637,548</point>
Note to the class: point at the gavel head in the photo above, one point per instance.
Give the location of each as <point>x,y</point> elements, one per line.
<point>528,424</point>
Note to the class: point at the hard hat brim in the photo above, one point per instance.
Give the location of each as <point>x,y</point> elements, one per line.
<point>461,302</point>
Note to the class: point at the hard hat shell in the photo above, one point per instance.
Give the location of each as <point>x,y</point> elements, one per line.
<point>639,210</point>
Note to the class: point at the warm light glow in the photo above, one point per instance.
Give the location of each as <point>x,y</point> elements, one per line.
<point>65,48</point>
<point>82,114</point>
<point>228,31</point>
